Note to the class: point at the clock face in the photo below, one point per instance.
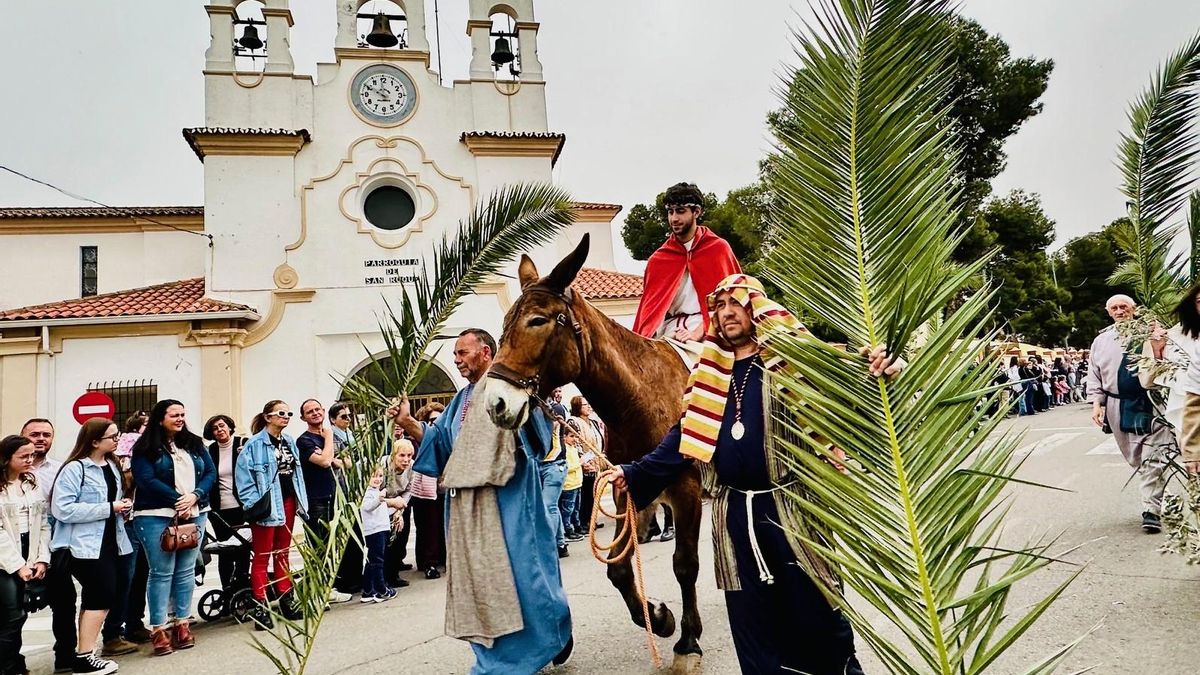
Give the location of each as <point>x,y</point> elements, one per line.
<point>383,94</point>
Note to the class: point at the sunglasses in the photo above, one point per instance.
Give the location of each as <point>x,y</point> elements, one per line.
<point>283,413</point>
<point>343,417</point>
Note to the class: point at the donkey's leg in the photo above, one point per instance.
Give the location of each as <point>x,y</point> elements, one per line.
<point>662,621</point>
<point>685,500</point>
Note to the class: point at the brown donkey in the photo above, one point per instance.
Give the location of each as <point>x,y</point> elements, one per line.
<point>552,336</point>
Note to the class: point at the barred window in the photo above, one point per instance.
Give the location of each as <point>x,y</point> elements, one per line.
<point>131,396</point>
<point>89,257</point>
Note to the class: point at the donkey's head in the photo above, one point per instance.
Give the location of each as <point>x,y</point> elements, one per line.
<point>542,345</point>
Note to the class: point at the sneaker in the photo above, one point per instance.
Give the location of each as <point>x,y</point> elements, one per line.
<point>118,646</point>
<point>575,536</point>
<point>1151,523</point>
<point>387,595</point>
<point>404,567</point>
<point>668,534</point>
<point>93,665</point>
<point>337,597</point>
<point>368,598</point>
<point>563,552</point>
<point>432,573</point>
<point>398,583</point>
<point>138,635</point>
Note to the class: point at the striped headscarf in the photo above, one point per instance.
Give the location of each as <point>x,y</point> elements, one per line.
<point>708,386</point>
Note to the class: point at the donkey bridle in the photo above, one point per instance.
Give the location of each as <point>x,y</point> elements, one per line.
<point>561,320</point>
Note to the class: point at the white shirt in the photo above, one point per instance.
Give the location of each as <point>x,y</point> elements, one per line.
<point>685,311</point>
<point>45,474</point>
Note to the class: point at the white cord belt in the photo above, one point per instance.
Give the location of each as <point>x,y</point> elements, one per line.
<point>764,572</point>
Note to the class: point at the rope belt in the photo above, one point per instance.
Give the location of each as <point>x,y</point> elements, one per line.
<point>764,572</point>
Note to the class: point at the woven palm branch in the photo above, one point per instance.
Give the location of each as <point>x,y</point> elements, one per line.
<point>510,221</point>
<point>865,229</point>
<point>1157,160</point>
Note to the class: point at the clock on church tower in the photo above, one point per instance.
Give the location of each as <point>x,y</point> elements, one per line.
<point>383,95</point>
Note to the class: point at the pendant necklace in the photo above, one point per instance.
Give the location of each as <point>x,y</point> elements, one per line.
<point>738,430</point>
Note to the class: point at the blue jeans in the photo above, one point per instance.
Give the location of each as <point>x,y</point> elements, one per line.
<point>172,574</point>
<point>569,505</point>
<point>373,581</point>
<point>553,474</point>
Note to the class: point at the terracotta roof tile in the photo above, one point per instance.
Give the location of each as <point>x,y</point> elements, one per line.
<point>597,284</point>
<point>512,134</point>
<point>190,134</point>
<point>100,212</point>
<point>595,206</point>
<point>176,297</point>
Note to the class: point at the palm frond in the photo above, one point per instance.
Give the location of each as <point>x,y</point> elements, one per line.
<point>866,225</point>
<point>1157,160</point>
<point>511,220</point>
<point>1193,223</point>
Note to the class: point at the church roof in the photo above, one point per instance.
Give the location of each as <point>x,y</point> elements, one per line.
<point>195,137</point>
<point>596,284</point>
<point>185,297</point>
<point>100,211</point>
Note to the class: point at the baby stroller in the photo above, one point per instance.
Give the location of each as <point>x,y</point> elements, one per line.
<point>235,598</point>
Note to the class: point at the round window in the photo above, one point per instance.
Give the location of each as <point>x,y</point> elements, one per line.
<point>389,207</point>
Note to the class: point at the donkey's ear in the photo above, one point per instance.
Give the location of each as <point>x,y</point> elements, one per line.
<point>564,272</point>
<point>527,272</point>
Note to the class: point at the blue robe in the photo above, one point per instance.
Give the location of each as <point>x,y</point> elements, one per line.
<point>529,537</point>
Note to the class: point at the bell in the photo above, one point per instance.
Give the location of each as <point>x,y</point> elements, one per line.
<point>503,53</point>
<point>381,33</point>
<point>250,39</point>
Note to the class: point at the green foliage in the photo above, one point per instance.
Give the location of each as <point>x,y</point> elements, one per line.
<point>866,193</point>
<point>510,221</point>
<point>1084,266</point>
<point>1194,237</point>
<point>738,220</point>
<point>1027,296</point>
<point>1157,159</point>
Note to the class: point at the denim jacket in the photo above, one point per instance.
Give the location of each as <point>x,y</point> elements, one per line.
<point>155,479</point>
<point>80,506</point>
<point>256,466</point>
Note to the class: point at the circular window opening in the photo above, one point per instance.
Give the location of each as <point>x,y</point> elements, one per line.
<point>389,207</point>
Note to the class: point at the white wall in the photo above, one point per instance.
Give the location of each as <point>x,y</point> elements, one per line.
<point>46,267</point>
<point>159,358</point>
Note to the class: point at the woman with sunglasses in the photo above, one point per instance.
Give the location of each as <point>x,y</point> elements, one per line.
<point>173,476</point>
<point>269,466</point>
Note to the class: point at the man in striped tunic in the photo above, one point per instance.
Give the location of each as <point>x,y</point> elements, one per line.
<point>781,621</point>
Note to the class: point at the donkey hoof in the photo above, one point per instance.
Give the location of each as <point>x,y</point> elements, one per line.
<point>662,621</point>
<point>685,664</point>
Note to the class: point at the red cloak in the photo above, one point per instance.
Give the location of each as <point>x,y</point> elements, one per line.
<point>710,260</point>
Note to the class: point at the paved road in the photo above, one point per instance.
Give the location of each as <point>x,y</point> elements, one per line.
<point>1148,604</point>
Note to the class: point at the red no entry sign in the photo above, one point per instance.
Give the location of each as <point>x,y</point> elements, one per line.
<point>93,404</point>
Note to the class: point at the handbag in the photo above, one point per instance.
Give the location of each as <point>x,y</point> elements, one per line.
<point>36,596</point>
<point>179,536</point>
<point>261,509</point>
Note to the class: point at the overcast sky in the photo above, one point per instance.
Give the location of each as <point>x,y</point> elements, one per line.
<point>649,92</point>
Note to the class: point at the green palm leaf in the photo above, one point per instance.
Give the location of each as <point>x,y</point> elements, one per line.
<point>1193,223</point>
<point>511,220</point>
<point>866,225</point>
<point>1157,160</point>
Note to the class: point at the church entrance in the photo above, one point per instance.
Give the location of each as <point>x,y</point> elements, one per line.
<point>435,386</point>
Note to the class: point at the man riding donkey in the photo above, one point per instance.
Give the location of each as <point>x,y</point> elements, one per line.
<point>780,618</point>
<point>679,275</point>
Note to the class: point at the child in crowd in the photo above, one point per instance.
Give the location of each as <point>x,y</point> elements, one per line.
<point>376,524</point>
<point>1061,390</point>
<point>568,503</point>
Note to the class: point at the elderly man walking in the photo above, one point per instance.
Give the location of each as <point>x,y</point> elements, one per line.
<point>1122,407</point>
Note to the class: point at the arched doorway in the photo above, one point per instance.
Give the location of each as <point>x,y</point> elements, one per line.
<point>435,386</point>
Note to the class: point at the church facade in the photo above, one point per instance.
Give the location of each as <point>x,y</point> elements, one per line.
<point>321,197</point>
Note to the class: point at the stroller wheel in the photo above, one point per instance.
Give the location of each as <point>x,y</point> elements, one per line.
<point>241,604</point>
<point>212,605</point>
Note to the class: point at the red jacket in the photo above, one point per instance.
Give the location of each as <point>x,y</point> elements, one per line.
<point>710,260</point>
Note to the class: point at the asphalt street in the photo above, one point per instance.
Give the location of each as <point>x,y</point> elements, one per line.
<point>1142,607</point>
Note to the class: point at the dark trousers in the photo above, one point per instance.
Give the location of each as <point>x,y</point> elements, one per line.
<point>129,606</point>
<point>668,521</point>
<point>429,516</point>
<point>12,617</point>
<point>373,582</point>
<point>350,571</point>
<point>61,588</point>
<point>397,549</point>
<point>786,625</point>
<point>586,501</point>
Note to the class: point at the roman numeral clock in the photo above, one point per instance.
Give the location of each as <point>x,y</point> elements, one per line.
<point>383,95</point>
